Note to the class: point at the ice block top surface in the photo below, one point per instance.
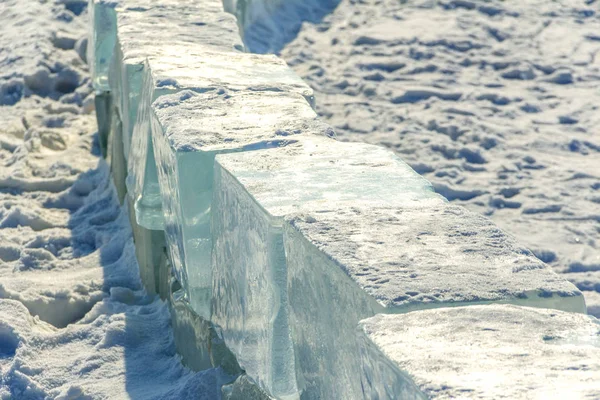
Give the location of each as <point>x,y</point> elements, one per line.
<point>317,174</point>
<point>409,258</point>
<point>185,67</point>
<point>220,120</point>
<point>144,33</point>
<point>493,351</point>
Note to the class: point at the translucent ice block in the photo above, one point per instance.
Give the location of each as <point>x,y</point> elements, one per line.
<point>480,352</point>
<point>364,234</point>
<point>102,40</point>
<point>193,67</point>
<point>353,262</point>
<point>104,27</point>
<point>202,23</point>
<point>188,130</point>
<point>253,194</point>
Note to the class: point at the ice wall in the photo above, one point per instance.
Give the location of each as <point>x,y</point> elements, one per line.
<point>270,239</point>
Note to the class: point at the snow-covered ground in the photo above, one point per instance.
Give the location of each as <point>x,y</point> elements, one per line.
<point>495,102</point>
<point>74,321</point>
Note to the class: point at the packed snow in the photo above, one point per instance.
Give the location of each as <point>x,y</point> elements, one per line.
<point>495,102</point>
<point>74,320</point>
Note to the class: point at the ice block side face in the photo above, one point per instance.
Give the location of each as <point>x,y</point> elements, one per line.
<point>486,352</point>
<point>168,177</point>
<point>249,287</point>
<point>193,127</point>
<point>404,259</point>
<point>324,308</point>
<point>103,38</point>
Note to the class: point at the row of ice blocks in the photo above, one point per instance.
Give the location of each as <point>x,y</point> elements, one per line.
<point>166,49</point>
<point>125,35</point>
<point>312,237</point>
<point>482,352</point>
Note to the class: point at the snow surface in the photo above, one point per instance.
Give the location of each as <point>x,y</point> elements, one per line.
<point>495,102</point>
<point>74,321</point>
<point>482,352</point>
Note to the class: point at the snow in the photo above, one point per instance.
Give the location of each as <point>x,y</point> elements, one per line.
<point>494,102</point>
<point>483,352</point>
<point>74,321</point>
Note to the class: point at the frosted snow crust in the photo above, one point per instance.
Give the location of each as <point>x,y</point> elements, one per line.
<point>483,352</point>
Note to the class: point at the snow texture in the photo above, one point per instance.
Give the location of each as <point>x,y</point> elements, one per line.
<point>74,322</point>
<point>483,352</point>
<point>496,103</point>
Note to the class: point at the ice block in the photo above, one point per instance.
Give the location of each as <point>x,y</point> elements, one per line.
<point>480,352</point>
<point>145,32</point>
<point>199,70</point>
<point>188,129</point>
<point>104,21</point>
<point>253,194</point>
<point>351,263</point>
